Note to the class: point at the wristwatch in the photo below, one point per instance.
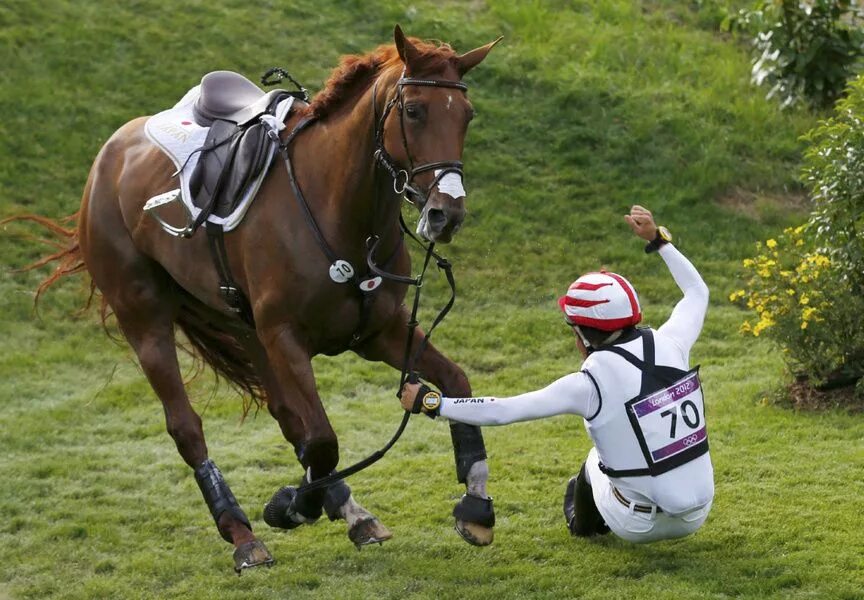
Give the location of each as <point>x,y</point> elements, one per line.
<point>663,237</point>
<point>431,402</point>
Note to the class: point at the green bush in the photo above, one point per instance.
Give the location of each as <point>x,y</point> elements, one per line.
<point>803,50</point>
<point>834,172</point>
<point>807,286</point>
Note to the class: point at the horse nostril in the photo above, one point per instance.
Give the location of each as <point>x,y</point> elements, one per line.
<point>436,219</point>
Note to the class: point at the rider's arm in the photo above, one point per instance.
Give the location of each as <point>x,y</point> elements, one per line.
<point>572,394</point>
<point>685,323</point>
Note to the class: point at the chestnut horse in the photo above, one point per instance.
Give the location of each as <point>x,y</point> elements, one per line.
<point>154,282</point>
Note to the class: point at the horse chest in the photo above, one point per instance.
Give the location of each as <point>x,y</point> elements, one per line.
<point>333,325</point>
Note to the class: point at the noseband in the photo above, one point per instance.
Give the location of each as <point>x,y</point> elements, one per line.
<point>403,179</point>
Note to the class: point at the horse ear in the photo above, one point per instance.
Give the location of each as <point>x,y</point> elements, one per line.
<point>407,51</point>
<point>471,59</point>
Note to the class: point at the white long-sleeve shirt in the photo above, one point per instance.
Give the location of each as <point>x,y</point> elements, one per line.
<point>577,394</point>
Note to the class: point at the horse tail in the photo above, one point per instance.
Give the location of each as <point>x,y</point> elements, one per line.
<point>67,251</point>
<point>220,347</point>
<point>209,343</point>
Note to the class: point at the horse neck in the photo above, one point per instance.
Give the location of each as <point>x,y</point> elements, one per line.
<point>342,144</point>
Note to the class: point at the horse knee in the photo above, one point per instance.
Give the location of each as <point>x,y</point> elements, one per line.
<point>454,383</point>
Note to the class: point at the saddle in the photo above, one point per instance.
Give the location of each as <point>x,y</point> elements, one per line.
<point>238,149</point>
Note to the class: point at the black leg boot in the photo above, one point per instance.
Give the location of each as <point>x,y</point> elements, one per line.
<point>580,511</point>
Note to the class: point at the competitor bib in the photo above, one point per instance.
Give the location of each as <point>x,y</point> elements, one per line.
<point>670,423</point>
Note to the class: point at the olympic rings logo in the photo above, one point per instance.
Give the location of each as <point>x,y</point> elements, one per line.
<point>690,440</point>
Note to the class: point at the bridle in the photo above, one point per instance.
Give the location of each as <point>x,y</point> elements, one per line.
<point>402,185</point>
<point>403,178</point>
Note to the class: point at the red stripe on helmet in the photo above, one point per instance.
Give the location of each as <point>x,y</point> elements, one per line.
<point>583,303</point>
<point>591,287</point>
<point>603,324</point>
<point>634,305</point>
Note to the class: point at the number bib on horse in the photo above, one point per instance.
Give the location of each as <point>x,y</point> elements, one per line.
<point>670,424</point>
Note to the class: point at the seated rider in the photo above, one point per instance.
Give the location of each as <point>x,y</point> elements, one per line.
<point>649,475</point>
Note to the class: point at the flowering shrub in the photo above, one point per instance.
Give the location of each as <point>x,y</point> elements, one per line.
<point>804,303</point>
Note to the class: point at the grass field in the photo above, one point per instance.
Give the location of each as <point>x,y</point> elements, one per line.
<point>584,109</point>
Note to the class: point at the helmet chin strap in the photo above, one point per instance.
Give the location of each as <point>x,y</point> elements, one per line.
<point>582,337</point>
<point>608,340</point>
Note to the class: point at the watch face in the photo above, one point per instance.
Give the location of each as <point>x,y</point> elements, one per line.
<point>431,401</point>
<point>664,234</point>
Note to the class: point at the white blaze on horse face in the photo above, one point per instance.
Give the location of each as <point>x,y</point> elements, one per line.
<point>451,184</point>
<point>449,100</point>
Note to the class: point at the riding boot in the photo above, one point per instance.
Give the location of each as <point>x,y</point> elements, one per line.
<point>580,511</point>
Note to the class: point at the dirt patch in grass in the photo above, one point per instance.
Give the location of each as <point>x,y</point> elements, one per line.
<point>759,205</point>
<point>803,396</point>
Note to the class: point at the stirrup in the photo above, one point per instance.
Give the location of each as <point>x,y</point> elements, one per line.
<point>167,198</point>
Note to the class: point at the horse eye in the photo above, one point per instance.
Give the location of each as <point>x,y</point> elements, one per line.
<point>412,111</point>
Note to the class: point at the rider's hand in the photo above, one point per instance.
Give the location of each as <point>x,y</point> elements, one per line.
<point>409,394</point>
<point>642,223</point>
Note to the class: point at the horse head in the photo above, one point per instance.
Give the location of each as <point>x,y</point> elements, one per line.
<point>424,133</point>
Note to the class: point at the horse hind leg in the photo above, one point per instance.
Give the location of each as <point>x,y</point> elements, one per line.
<point>146,311</point>
<point>287,509</point>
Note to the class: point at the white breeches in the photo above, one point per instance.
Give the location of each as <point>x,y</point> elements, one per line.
<point>633,526</point>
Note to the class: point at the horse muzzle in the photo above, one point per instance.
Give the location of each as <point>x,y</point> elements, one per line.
<point>441,218</point>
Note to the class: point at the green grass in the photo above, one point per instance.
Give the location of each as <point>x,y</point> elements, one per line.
<point>584,109</point>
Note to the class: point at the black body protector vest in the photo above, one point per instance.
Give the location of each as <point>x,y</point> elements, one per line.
<point>668,415</point>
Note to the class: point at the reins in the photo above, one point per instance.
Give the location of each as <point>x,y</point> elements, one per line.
<point>383,158</point>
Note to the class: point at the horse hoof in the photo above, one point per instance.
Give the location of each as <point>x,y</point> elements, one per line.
<point>252,554</point>
<point>475,534</point>
<point>368,531</point>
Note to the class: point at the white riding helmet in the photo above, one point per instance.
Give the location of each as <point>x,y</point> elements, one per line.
<point>604,301</point>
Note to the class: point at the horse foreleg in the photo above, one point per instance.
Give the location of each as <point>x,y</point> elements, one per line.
<point>475,517</point>
<point>286,402</point>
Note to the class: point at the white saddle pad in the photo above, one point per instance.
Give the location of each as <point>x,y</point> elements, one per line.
<point>175,132</point>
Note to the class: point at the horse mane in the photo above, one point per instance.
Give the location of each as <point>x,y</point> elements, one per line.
<point>356,71</point>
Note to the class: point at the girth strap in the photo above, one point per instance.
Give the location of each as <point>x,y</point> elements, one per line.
<point>228,289</point>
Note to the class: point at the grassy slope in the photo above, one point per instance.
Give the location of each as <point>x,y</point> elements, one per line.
<point>584,109</point>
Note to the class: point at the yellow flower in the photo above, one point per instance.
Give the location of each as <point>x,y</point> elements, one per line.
<point>735,295</point>
<point>745,327</point>
<point>799,229</point>
<point>790,291</point>
<point>764,323</point>
<point>820,260</point>
<point>748,262</point>
<point>803,324</point>
<point>804,299</point>
<point>772,243</point>
<point>799,242</point>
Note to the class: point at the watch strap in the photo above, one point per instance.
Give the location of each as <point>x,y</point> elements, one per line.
<point>655,244</point>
